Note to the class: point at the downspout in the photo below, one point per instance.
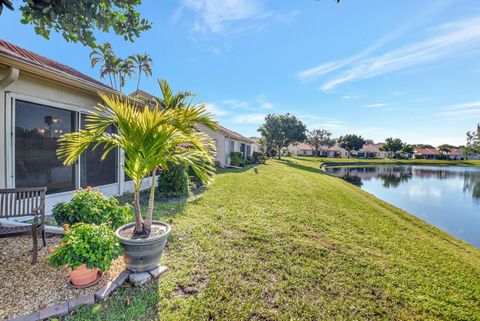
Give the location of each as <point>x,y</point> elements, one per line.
<point>11,77</point>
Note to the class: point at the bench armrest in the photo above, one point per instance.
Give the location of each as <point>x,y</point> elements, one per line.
<point>40,210</point>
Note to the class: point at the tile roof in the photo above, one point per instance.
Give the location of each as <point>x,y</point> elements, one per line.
<point>18,53</point>
<point>426,151</point>
<point>371,148</point>
<point>230,133</point>
<point>143,94</point>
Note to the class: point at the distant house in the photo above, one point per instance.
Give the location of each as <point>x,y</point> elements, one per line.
<point>455,154</point>
<point>426,153</point>
<point>370,151</point>
<point>302,149</point>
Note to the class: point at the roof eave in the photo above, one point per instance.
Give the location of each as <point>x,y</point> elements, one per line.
<point>62,78</point>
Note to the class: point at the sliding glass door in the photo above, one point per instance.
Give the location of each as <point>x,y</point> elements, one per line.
<point>37,129</point>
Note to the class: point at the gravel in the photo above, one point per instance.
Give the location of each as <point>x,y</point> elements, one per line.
<point>25,288</point>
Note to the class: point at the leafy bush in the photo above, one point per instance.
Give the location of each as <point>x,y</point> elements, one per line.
<point>174,181</point>
<point>236,158</point>
<point>96,246</point>
<point>92,207</point>
<point>256,156</point>
<point>250,160</point>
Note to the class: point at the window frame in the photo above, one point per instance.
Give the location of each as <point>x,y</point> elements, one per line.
<point>10,98</point>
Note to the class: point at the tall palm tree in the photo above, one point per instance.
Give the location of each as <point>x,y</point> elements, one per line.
<point>144,65</point>
<point>103,54</point>
<point>125,69</point>
<point>151,138</point>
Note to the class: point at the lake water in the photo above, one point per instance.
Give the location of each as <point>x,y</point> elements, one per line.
<point>445,196</point>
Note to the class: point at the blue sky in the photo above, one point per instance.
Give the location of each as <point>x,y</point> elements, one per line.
<point>407,69</point>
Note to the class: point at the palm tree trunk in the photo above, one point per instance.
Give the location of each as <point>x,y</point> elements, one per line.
<point>138,213</point>
<point>139,75</point>
<point>147,225</point>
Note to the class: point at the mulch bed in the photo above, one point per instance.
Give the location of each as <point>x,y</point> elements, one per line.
<point>25,288</point>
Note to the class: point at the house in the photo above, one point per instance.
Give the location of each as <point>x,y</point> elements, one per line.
<point>455,154</point>
<point>426,153</point>
<point>302,149</point>
<point>41,100</point>
<point>228,141</point>
<point>370,151</point>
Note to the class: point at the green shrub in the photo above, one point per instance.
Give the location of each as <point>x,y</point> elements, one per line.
<point>92,207</point>
<point>173,182</point>
<point>236,158</point>
<point>256,156</point>
<point>96,246</point>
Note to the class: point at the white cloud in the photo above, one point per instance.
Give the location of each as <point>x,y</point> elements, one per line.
<point>462,111</point>
<point>350,97</point>
<point>249,119</point>
<point>213,15</point>
<point>261,100</point>
<point>453,38</point>
<point>214,109</point>
<point>237,104</point>
<point>377,105</point>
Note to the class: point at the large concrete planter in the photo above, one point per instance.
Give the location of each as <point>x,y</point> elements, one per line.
<point>142,255</point>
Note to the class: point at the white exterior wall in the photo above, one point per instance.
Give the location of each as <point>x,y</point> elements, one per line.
<point>42,91</point>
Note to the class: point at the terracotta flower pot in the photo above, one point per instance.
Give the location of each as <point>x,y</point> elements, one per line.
<point>82,276</point>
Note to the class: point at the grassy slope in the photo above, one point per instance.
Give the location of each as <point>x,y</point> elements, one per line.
<point>294,244</point>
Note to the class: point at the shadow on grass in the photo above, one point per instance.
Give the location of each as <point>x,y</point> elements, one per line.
<point>235,170</point>
<point>296,165</point>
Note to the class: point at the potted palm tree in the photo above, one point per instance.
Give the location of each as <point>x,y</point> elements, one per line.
<point>152,138</point>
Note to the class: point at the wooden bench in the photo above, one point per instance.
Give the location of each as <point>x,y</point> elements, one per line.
<point>19,202</point>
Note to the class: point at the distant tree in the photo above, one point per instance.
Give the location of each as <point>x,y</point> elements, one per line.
<point>78,20</point>
<point>143,64</point>
<point>407,149</point>
<point>351,142</point>
<point>282,130</point>
<point>317,138</point>
<point>446,148</point>
<point>392,146</point>
<point>368,141</point>
<point>473,142</point>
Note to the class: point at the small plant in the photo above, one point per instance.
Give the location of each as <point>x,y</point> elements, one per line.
<point>174,181</point>
<point>236,158</point>
<point>96,246</point>
<point>92,207</point>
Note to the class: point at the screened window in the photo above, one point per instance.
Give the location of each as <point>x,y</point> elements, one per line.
<point>37,129</point>
<point>94,171</point>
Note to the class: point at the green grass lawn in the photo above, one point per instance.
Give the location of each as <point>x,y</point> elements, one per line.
<point>292,243</point>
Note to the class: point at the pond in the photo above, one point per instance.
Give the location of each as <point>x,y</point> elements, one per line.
<point>445,196</point>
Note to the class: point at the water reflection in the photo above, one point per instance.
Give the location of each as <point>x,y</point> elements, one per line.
<point>393,176</point>
<point>447,197</point>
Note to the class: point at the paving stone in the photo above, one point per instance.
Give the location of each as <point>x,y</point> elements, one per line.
<point>105,291</point>
<point>159,270</point>
<point>88,299</point>
<point>53,311</point>
<point>122,277</point>
<point>29,317</point>
<point>138,279</point>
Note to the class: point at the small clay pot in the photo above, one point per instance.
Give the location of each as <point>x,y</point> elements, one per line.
<point>82,276</point>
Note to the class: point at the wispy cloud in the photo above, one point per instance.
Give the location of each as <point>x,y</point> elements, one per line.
<point>213,15</point>
<point>377,105</point>
<point>453,38</point>
<point>215,110</point>
<point>251,119</point>
<point>420,18</point>
<point>462,111</point>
